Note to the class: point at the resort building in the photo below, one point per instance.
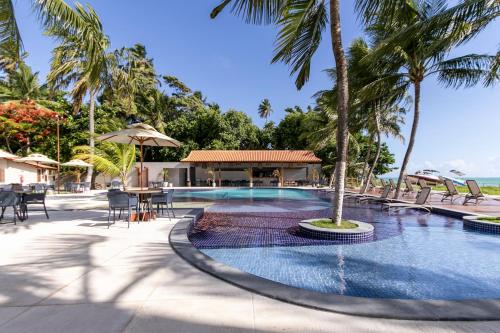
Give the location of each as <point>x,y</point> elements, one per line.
<point>14,172</point>
<point>252,167</point>
<point>231,168</point>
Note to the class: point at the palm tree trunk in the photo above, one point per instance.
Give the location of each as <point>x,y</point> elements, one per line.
<point>365,164</point>
<point>377,154</point>
<point>90,170</point>
<point>343,98</point>
<point>416,116</point>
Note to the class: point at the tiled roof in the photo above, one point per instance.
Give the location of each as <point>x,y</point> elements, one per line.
<point>257,156</point>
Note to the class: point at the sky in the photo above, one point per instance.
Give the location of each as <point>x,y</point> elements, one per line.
<point>230,62</point>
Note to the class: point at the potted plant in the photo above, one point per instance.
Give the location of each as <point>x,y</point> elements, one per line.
<point>277,174</point>
<point>211,176</point>
<point>164,176</point>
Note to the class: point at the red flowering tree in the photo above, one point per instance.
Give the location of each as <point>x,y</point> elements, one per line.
<point>25,123</point>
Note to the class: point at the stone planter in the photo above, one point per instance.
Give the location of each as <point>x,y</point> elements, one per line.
<point>364,232</point>
<point>473,222</point>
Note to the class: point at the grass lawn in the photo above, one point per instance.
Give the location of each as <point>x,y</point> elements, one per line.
<point>327,223</point>
<point>490,219</point>
<point>492,190</point>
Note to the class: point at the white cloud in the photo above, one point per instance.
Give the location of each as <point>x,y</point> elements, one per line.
<point>489,168</point>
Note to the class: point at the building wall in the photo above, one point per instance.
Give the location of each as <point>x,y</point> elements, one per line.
<point>176,174</point>
<point>14,171</point>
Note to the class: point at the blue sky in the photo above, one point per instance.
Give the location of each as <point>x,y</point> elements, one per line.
<point>229,61</point>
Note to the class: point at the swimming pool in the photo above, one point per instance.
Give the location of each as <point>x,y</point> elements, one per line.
<point>414,255</point>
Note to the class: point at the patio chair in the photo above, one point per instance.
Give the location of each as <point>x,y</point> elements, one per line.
<point>409,187</point>
<point>474,192</point>
<point>419,203</point>
<point>160,200</point>
<point>451,191</point>
<point>121,200</point>
<point>34,198</point>
<point>6,187</point>
<point>384,197</point>
<point>9,199</point>
<point>116,184</point>
<point>422,183</point>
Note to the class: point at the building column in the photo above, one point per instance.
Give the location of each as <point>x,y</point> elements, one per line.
<point>188,176</point>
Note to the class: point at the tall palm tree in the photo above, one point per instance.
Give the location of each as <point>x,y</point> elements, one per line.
<point>301,24</point>
<point>82,62</point>
<point>265,109</point>
<point>52,13</point>
<point>414,37</point>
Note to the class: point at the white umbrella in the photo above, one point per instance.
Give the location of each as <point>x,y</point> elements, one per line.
<point>78,164</point>
<point>37,158</point>
<point>142,135</point>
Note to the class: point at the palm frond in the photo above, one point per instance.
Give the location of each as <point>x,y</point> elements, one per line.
<point>300,35</point>
<point>464,71</point>
<point>253,11</point>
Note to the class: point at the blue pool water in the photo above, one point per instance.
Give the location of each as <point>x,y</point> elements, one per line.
<point>247,193</point>
<point>414,255</point>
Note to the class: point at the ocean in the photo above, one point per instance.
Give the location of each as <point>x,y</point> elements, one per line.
<point>481,181</point>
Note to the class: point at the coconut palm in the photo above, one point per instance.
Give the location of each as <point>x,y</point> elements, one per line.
<point>82,62</point>
<point>265,109</point>
<point>301,25</point>
<point>414,37</point>
<point>52,13</point>
<point>112,159</point>
<point>21,85</point>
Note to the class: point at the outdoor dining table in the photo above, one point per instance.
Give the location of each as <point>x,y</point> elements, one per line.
<point>144,196</point>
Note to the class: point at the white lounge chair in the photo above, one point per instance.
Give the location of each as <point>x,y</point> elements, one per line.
<point>419,203</point>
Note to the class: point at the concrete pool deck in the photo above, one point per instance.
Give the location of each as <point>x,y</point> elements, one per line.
<point>72,274</point>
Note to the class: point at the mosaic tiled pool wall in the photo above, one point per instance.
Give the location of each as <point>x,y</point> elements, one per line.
<point>250,229</point>
<point>481,226</point>
<point>344,238</point>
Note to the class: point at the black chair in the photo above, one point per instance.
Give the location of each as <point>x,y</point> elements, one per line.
<point>165,198</point>
<point>9,199</point>
<point>121,200</point>
<point>34,198</point>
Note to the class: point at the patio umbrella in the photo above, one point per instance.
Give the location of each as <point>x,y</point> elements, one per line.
<point>458,173</point>
<point>142,135</point>
<point>78,164</point>
<point>37,158</point>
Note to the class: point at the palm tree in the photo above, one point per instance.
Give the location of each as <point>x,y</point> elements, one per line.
<point>265,109</point>
<point>81,61</point>
<point>414,37</point>
<point>113,159</point>
<point>52,14</point>
<point>21,85</point>
<point>302,23</point>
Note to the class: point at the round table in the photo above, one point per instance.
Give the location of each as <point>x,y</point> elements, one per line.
<point>144,197</point>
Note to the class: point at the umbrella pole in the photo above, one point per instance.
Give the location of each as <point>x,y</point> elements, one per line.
<point>140,180</point>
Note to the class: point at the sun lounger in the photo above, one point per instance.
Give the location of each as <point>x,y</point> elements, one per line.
<point>422,183</point>
<point>474,192</point>
<point>451,191</point>
<point>392,183</point>
<point>384,197</point>
<point>409,187</point>
<point>419,203</point>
